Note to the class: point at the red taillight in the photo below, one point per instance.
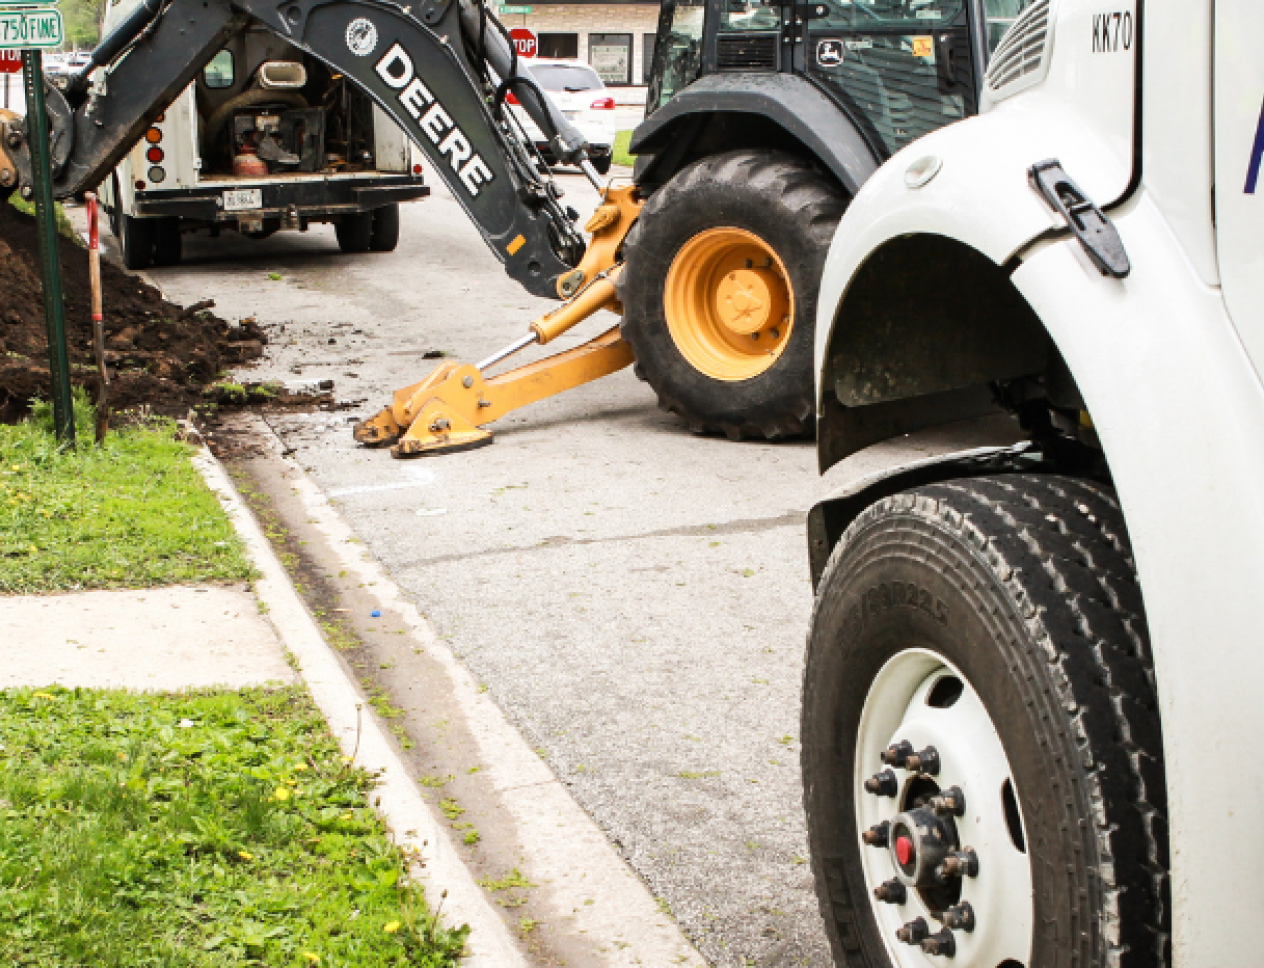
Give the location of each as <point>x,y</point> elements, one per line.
<point>416,169</point>
<point>603,104</point>
<point>154,155</point>
<point>509,98</point>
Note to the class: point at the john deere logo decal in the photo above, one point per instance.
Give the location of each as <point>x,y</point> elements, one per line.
<point>361,37</point>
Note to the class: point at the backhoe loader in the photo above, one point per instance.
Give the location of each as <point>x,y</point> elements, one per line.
<point>764,119</point>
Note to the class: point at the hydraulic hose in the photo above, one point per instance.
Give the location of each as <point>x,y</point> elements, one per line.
<point>568,144</point>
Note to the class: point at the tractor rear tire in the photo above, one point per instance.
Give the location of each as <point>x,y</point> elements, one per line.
<point>355,232</point>
<point>719,291</point>
<point>136,241</point>
<point>385,235</point>
<point>168,248</point>
<point>1000,621</point>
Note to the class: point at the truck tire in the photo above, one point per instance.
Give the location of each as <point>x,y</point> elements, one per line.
<point>355,232</point>
<point>168,247</point>
<point>385,234</point>
<point>999,621</point>
<point>719,291</point>
<point>136,241</point>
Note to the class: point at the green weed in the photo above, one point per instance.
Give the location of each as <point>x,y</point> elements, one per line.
<point>131,513</point>
<point>199,830</point>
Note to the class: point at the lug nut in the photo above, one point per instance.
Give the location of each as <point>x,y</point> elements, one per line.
<point>951,802</point>
<point>941,943</point>
<point>896,754</point>
<point>914,931</point>
<point>876,836</point>
<point>882,784</point>
<point>891,892</point>
<point>927,761</point>
<point>961,863</point>
<point>960,916</point>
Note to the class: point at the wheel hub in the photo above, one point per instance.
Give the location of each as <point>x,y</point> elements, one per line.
<point>743,300</point>
<point>729,304</point>
<point>944,863</point>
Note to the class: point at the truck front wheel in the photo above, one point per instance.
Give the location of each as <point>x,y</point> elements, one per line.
<point>982,752</point>
<point>719,291</point>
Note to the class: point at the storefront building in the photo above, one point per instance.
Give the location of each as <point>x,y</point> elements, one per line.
<point>617,39</point>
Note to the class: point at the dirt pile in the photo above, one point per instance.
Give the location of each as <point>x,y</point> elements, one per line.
<point>158,354</point>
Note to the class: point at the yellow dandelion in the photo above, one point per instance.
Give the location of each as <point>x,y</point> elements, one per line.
<point>44,695</point>
<point>390,927</point>
<point>300,767</point>
<point>281,793</point>
<point>245,855</point>
<point>121,756</point>
<point>312,957</point>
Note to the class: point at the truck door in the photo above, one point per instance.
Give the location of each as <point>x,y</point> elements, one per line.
<point>1239,172</point>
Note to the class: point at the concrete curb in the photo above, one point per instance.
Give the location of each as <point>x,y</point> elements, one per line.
<point>415,828</point>
<point>593,887</point>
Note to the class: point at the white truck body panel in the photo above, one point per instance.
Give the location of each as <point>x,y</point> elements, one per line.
<point>1168,365</point>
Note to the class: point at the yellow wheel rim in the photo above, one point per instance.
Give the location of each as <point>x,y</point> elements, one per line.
<point>729,304</point>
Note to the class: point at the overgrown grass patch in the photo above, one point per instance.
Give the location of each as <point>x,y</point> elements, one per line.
<point>133,512</point>
<point>620,149</point>
<point>202,829</point>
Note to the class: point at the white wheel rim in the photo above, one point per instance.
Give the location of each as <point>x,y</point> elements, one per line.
<point>972,758</point>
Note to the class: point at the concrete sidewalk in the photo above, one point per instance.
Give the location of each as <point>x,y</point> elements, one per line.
<point>158,639</point>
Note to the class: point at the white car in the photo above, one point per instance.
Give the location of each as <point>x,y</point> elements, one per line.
<point>582,96</point>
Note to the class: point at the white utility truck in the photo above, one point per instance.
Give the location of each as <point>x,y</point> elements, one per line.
<point>267,137</point>
<point>1034,676</point>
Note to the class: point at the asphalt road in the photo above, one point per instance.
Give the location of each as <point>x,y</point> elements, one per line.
<point>634,597</point>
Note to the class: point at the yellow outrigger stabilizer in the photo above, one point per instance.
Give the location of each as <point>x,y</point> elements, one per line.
<point>449,410</point>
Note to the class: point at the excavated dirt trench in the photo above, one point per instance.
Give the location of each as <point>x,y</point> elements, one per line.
<point>158,354</point>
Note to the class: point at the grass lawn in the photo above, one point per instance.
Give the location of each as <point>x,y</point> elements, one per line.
<point>620,149</point>
<point>202,829</point>
<point>132,513</point>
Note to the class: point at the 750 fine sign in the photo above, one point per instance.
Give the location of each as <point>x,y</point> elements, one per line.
<point>27,27</point>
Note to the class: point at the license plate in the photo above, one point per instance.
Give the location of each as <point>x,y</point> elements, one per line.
<point>243,199</point>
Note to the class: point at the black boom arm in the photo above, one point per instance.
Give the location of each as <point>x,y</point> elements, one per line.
<point>440,68</point>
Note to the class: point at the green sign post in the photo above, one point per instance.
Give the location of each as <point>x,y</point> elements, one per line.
<point>29,28</point>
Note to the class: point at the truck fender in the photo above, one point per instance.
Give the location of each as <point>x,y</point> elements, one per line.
<point>792,103</point>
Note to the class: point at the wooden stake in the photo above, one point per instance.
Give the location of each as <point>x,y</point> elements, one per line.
<point>98,318</point>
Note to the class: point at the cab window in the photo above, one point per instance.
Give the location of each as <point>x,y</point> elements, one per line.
<point>219,72</point>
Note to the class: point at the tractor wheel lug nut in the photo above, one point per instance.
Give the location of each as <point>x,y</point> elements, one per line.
<point>914,931</point>
<point>926,761</point>
<point>960,863</point>
<point>882,784</point>
<point>897,753</point>
<point>960,917</point>
<point>877,835</point>
<point>891,892</point>
<point>941,943</point>
<point>950,802</point>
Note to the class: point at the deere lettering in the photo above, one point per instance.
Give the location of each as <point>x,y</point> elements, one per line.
<point>396,69</point>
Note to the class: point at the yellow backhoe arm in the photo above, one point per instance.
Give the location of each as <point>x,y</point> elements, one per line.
<point>449,410</point>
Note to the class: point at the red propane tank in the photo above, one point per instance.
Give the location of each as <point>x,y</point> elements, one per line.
<point>248,164</point>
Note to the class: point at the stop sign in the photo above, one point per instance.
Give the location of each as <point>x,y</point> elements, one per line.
<point>10,61</point>
<point>525,41</point>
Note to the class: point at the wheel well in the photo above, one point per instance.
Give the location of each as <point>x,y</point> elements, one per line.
<point>929,331</point>
<point>695,136</point>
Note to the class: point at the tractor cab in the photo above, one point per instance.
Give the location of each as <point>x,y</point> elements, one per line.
<point>898,69</point>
